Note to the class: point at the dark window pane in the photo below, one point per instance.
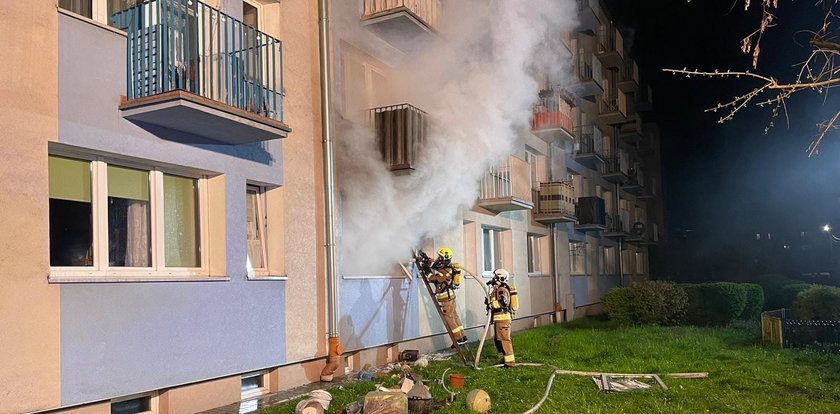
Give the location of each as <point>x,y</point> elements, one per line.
<point>82,7</point>
<point>129,232</point>
<point>71,234</point>
<point>134,406</point>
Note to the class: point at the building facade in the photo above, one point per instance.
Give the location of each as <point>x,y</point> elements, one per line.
<point>163,197</point>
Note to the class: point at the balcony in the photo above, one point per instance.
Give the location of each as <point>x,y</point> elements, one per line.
<point>552,119</point>
<point>610,47</point>
<point>629,81</point>
<point>613,107</point>
<point>589,146</point>
<point>644,99</point>
<point>588,12</point>
<point>618,225</point>
<point>591,214</point>
<point>400,132</point>
<point>588,69</point>
<point>635,180</point>
<point>402,22</point>
<point>194,70</point>
<point>631,132</point>
<point>506,187</point>
<point>615,169</point>
<point>555,202</point>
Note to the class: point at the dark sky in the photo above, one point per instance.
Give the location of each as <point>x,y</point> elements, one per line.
<point>732,177</point>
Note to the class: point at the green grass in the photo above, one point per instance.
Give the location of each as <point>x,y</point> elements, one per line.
<point>744,377</point>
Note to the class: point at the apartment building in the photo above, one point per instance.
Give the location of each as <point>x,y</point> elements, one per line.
<point>156,154</point>
<point>163,235</point>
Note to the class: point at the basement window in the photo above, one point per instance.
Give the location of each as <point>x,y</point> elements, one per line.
<point>135,404</point>
<point>254,384</point>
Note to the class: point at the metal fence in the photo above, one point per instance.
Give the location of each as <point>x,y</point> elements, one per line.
<point>779,330</point>
<point>188,45</point>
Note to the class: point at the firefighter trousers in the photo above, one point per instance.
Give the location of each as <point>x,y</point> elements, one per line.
<point>450,318</point>
<point>501,331</point>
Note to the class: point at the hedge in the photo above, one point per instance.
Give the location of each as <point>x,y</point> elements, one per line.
<point>755,301</point>
<point>818,302</point>
<point>651,302</point>
<point>717,303</point>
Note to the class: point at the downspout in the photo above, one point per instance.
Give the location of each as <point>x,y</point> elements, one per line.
<point>620,239</point>
<point>335,349</point>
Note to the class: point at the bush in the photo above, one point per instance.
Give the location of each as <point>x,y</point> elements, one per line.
<point>788,293</point>
<point>617,304</point>
<point>778,290</point>
<point>755,301</point>
<point>717,303</point>
<point>653,302</point>
<point>818,302</point>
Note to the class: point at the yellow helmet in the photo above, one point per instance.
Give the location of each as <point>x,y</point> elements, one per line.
<point>445,253</point>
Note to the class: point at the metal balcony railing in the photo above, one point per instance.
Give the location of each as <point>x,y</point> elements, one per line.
<point>589,140</point>
<point>424,10</point>
<point>587,66</point>
<point>592,4</point>
<point>550,112</point>
<point>190,46</point>
<point>556,197</point>
<point>497,182</point>
<point>400,132</point>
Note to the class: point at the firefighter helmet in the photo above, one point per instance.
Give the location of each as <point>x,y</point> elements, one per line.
<point>445,253</point>
<point>501,274</point>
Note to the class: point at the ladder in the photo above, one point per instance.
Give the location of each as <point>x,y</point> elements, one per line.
<point>465,353</point>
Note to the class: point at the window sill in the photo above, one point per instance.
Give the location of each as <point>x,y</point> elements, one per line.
<point>373,277</point>
<point>134,279</point>
<point>538,275</point>
<point>578,274</point>
<point>268,278</point>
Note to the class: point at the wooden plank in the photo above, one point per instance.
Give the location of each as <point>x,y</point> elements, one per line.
<point>595,374</point>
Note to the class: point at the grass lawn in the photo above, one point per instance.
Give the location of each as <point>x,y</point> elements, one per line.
<point>744,377</point>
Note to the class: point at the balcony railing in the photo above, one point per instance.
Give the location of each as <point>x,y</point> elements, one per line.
<point>426,11</point>
<point>588,12</point>
<point>589,140</point>
<point>506,187</point>
<point>629,80</point>
<point>552,118</point>
<point>400,131</point>
<point>186,45</point>
<point>591,214</point>
<point>555,202</point>
<point>613,107</point>
<point>610,46</point>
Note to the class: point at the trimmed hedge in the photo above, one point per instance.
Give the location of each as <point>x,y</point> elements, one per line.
<point>779,291</point>
<point>618,305</point>
<point>818,302</point>
<point>755,301</point>
<point>651,302</point>
<point>717,303</point>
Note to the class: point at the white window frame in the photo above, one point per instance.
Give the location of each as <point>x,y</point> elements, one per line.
<point>158,271</point>
<point>640,263</point>
<point>573,247</point>
<point>534,250</point>
<point>496,243</point>
<point>154,401</point>
<point>259,8</point>
<point>262,217</point>
<point>609,261</point>
<point>262,390</point>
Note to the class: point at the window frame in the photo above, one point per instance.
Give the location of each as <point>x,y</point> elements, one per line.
<point>263,389</point>
<point>101,271</point>
<point>262,216</point>
<point>496,250</point>
<point>572,262</point>
<point>534,250</point>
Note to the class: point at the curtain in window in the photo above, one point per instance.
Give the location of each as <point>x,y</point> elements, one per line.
<point>129,217</point>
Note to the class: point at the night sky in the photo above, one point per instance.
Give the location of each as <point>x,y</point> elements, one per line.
<point>731,180</point>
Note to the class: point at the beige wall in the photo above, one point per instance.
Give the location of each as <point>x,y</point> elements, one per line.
<point>29,308</point>
<point>303,182</point>
<point>202,396</point>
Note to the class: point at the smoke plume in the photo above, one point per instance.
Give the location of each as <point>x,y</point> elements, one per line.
<point>478,80</point>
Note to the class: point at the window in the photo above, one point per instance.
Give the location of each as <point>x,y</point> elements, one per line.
<point>609,261</point>
<point>126,221</point>
<point>98,10</point>
<point>601,260</point>
<point>492,248</point>
<point>533,168</point>
<point>641,267</point>
<point>254,384</point>
<point>534,254</point>
<point>577,258</point>
<point>251,14</point>
<point>256,221</point>
<point>136,404</point>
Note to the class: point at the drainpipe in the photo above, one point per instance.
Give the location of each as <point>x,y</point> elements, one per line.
<point>335,349</point>
<point>620,239</point>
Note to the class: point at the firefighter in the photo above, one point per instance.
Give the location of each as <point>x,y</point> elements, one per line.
<point>503,303</point>
<point>447,277</point>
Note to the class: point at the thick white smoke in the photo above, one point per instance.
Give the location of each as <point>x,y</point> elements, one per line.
<point>478,80</point>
